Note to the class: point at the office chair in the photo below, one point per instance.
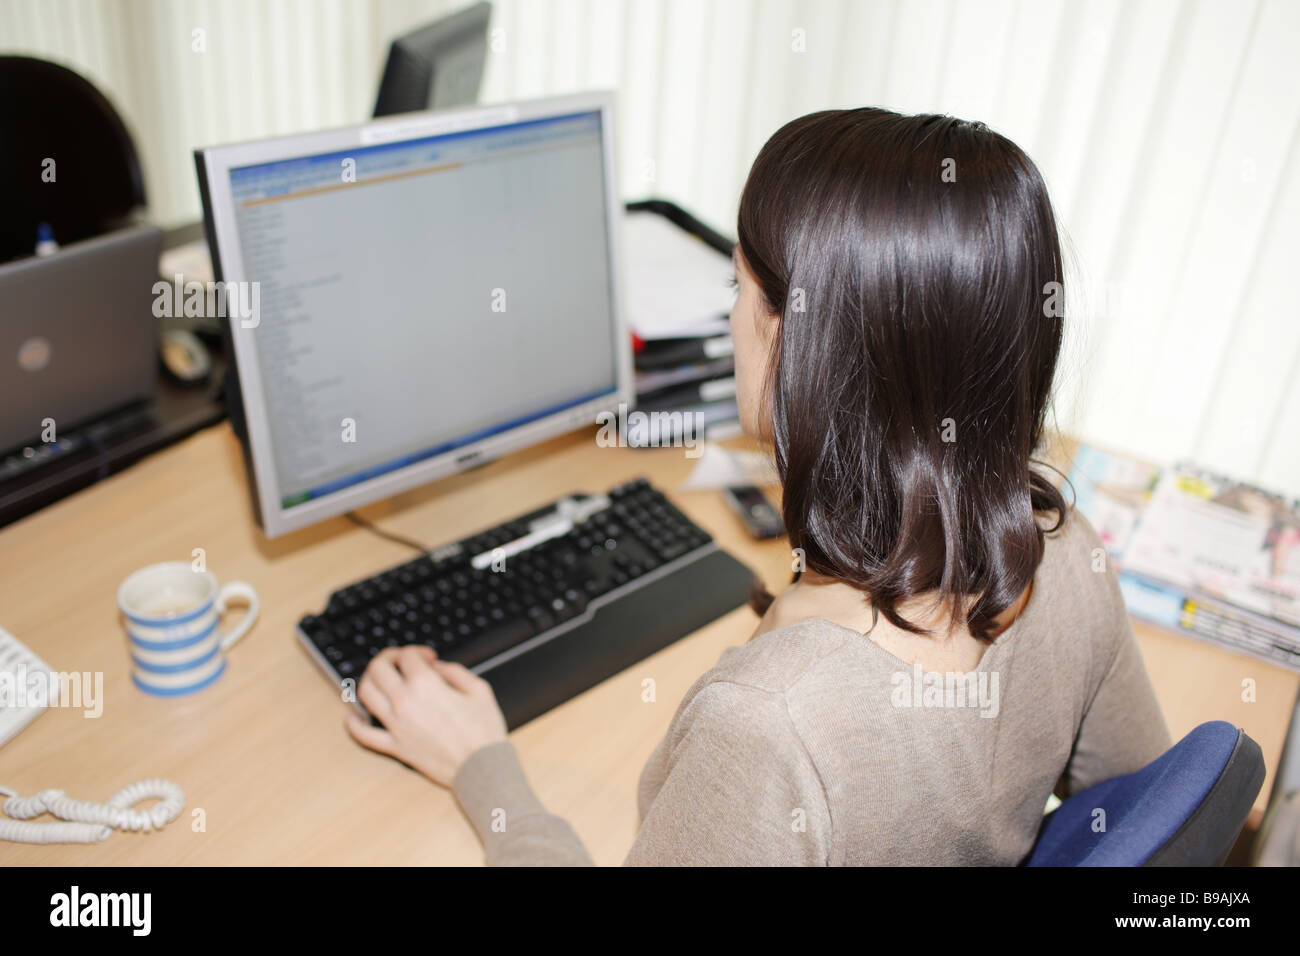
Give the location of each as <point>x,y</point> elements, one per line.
<point>49,112</point>
<point>1185,808</point>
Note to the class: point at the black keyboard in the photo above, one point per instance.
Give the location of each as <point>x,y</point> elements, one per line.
<point>543,606</point>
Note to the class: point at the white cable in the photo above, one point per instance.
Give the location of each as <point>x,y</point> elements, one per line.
<point>89,822</point>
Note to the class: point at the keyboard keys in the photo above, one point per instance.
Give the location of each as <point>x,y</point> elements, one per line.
<point>540,617</point>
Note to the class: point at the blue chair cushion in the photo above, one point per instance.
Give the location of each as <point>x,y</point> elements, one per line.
<point>1143,809</point>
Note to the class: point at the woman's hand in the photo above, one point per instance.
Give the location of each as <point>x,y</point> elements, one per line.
<point>435,713</point>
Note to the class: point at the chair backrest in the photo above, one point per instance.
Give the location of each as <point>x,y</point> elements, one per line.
<point>48,112</point>
<point>1185,808</point>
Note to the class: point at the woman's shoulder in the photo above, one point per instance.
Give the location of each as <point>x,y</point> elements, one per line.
<point>1072,547</point>
<point>777,659</point>
<point>1075,593</point>
<point>1076,586</point>
<point>755,690</point>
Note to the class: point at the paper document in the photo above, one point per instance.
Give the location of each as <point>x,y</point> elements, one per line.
<point>720,467</point>
<point>676,286</point>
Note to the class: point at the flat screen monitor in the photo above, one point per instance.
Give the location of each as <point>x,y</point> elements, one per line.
<point>439,66</point>
<point>411,297</point>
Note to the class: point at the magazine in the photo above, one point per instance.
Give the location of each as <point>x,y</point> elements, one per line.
<point>1197,552</point>
<point>1202,532</point>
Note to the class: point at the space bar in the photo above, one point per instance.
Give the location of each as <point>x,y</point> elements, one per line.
<point>491,642</point>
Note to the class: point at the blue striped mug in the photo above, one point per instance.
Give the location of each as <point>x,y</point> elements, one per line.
<point>171,613</point>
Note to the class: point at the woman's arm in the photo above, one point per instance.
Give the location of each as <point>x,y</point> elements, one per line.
<point>738,787</point>
<point>1123,728</point>
<point>733,781</point>
<point>515,828</point>
<point>444,721</point>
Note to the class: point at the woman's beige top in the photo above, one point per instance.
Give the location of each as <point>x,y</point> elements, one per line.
<point>811,745</point>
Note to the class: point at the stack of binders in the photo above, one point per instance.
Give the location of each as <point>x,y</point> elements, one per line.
<point>695,377</point>
<point>679,294</point>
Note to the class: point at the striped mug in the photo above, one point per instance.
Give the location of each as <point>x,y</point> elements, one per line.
<point>171,613</point>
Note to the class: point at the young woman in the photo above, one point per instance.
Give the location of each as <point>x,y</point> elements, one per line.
<point>957,646</point>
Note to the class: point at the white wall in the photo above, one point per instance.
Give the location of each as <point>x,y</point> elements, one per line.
<point>1166,129</point>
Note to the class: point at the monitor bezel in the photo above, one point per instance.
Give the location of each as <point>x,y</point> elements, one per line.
<point>214,166</point>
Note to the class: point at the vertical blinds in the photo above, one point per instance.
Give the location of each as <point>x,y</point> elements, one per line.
<point>1166,129</point>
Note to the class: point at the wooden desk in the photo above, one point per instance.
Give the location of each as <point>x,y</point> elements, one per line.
<point>263,753</point>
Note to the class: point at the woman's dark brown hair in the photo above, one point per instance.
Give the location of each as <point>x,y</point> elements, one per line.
<point>916,269</point>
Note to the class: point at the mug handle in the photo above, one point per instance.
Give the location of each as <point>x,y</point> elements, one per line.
<point>237,590</point>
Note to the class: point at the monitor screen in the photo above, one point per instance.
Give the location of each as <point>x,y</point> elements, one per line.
<point>426,294</point>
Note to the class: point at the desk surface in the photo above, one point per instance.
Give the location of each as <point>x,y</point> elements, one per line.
<point>263,753</point>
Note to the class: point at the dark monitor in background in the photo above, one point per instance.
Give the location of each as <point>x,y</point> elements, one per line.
<point>439,66</point>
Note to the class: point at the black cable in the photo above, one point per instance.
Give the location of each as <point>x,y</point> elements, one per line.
<point>363,523</point>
